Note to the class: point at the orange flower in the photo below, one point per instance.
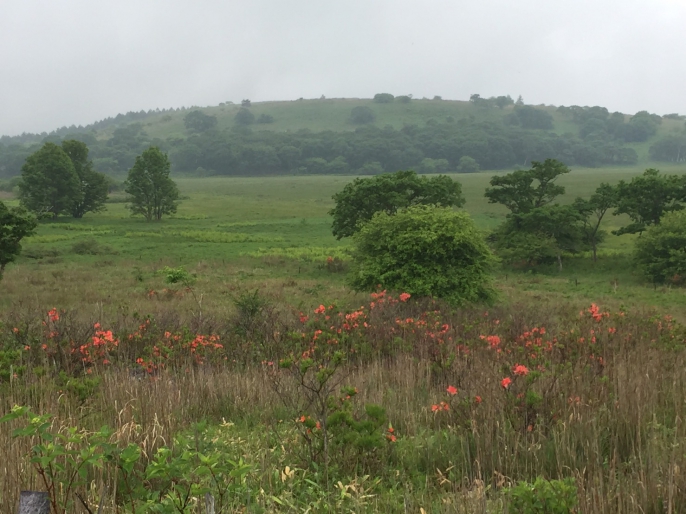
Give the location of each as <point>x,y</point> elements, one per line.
<point>435,408</point>
<point>320,310</point>
<point>505,382</point>
<point>452,390</point>
<point>302,419</point>
<point>404,297</point>
<point>477,399</point>
<point>520,370</point>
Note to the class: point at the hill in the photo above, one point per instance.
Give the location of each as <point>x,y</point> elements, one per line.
<point>367,136</point>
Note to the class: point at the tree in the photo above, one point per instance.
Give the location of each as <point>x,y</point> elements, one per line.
<point>467,165</point>
<point>389,193</point>
<point>152,192</point>
<point>541,234</point>
<point>383,98</point>
<point>94,185</point>
<point>593,211</point>
<point>531,118</point>
<point>15,224</point>
<point>244,117</point>
<point>246,103</point>
<point>425,251</point>
<point>198,121</point>
<point>49,182</point>
<point>661,251</point>
<point>503,101</point>
<point>524,190</point>
<point>646,198</point>
<point>362,114</point>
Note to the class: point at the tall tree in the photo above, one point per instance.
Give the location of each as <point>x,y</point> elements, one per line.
<point>645,199</point>
<point>49,182</point>
<point>593,211</point>
<point>390,192</point>
<point>15,224</point>
<point>152,192</point>
<point>198,121</point>
<point>524,190</point>
<point>94,185</point>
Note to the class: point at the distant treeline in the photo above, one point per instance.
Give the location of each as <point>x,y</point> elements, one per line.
<point>449,145</point>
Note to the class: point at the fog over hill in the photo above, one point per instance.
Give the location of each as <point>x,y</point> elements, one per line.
<point>76,61</point>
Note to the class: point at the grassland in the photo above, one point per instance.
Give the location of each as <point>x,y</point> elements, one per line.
<point>241,232</point>
<point>609,414</point>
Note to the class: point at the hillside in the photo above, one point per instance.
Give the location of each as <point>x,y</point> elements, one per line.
<point>285,136</point>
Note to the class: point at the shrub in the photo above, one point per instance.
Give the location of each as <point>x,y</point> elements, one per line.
<point>544,497</point>
<point>362,114</point>
<point>425,251</point>
<point>383,98</point>
<point>661,251</point>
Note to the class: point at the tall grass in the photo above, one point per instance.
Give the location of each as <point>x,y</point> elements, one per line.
<point>610,416</point>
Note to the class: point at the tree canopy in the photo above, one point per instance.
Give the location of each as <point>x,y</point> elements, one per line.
<point>15,225</point>
<point>50,184</point>
<point>94,186</point>
<point>152,193</point>
<point>645,199</point>
<point>364,197</point>
<point>424,251</point>
<point>661,251</point>
<point>524,190</point>
<point>198,121</point>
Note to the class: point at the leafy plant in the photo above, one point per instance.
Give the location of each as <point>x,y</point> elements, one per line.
<point>544,497</point>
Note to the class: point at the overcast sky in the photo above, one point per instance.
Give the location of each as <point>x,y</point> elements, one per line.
<point>69,62</point>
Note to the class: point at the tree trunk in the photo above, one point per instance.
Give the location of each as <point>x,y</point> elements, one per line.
<point>559,260</point>
<point>595,252</point>
<point>34,502</point>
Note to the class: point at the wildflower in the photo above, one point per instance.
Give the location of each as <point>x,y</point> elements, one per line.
<point>611,330</point>
<point>391,438</point>
<point>320,310</point>
<point>404,297</point>
<point>302,419</point>
<point>493,341</point>
<point>520,370</point>
<point>435,408</point>
<point>477,399</point>
<point>452,390</point>
<point>505,382</point>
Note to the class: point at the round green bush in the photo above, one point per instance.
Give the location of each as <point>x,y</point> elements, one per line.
<point>423,250</point>
<point>661,250</point>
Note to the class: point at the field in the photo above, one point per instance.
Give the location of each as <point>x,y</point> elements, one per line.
<point>600,404</point>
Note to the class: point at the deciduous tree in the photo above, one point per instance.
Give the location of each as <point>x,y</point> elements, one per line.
<point>152,192</point>
<point>49,182</point>
<point>15,225</point>
<point>94,185</point>
<point>388,193</point>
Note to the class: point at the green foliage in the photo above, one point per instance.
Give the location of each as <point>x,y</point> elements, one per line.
<point>177,276</point>
<point>544,497</point>
<point>661,250</point>
<point>94,186</point>
<point>362,114</point>
<point>593,211</point>
<point>647,198</point>
<point>49,182</point>
<point>541,234</point>
<point>425,251</point>
<point>467,165</point>
<point>198,121</point>
<point>388,193</point>
<point>151,191</point>
<point>524,190</point>
<point>15,225</point>
<point>244,117</point>
<point>383,98</point>
<point>531,118</point>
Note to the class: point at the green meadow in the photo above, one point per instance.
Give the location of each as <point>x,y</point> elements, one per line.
<point>256,232</point>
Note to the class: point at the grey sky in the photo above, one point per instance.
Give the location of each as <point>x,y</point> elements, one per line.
<point>69,62</point>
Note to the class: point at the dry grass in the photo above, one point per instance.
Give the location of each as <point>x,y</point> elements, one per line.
<point>617,429</point>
